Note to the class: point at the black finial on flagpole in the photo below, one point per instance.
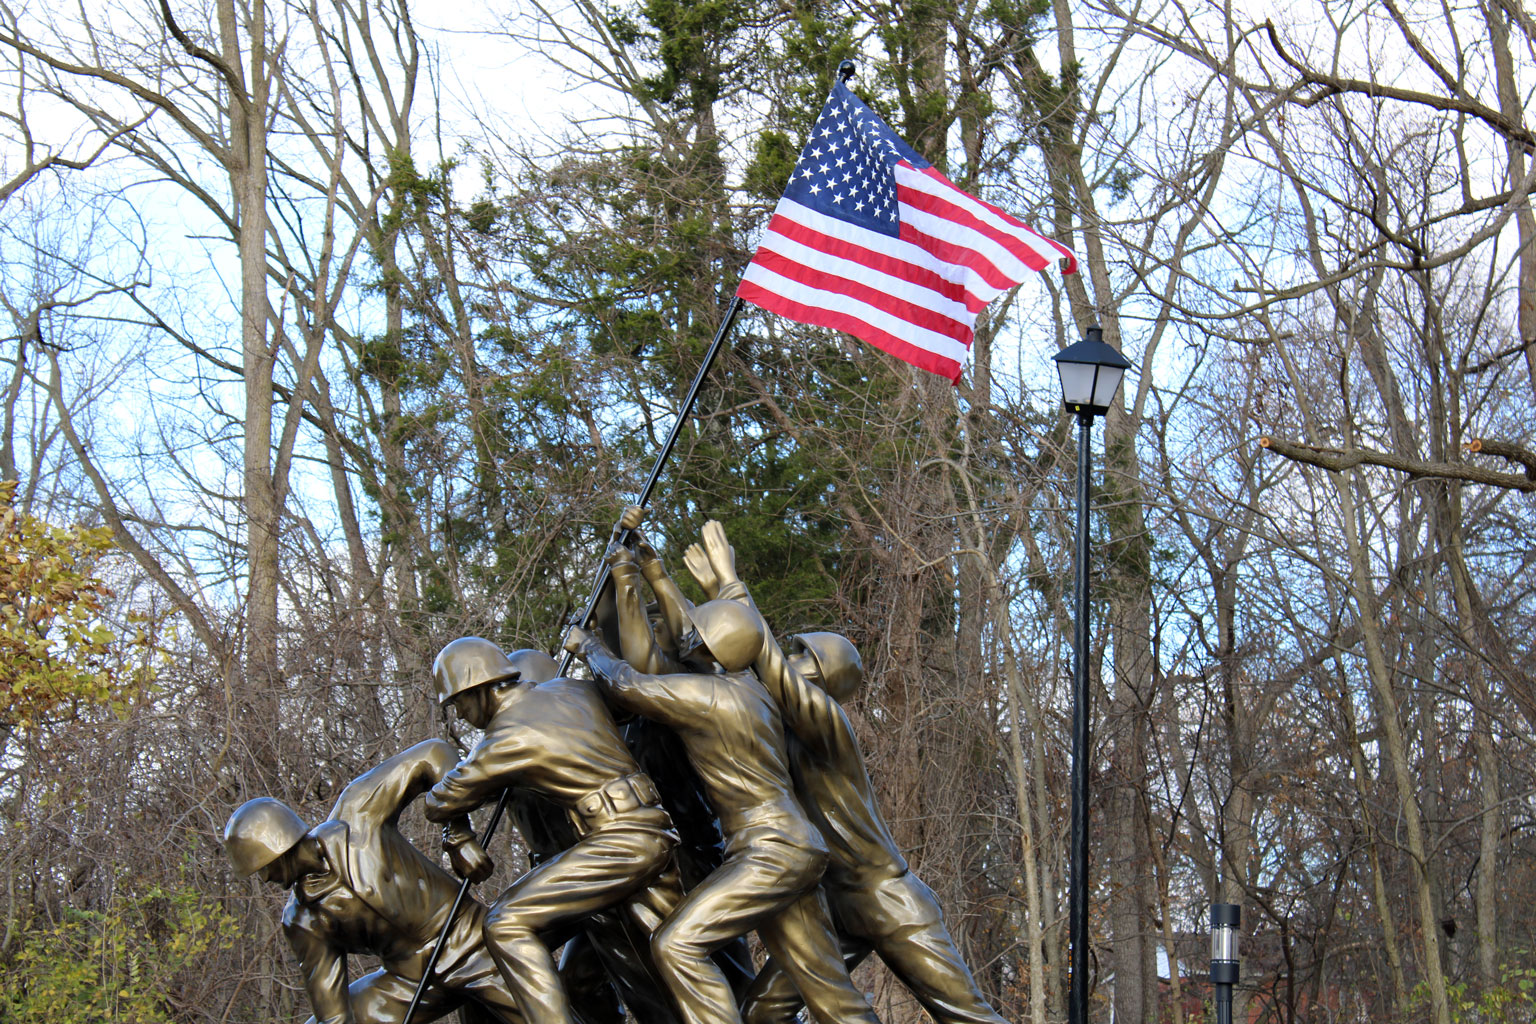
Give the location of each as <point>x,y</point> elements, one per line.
<point>846,70</point>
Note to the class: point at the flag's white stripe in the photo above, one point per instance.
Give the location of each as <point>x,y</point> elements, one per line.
<point>1006,264</point>
<point>907,252</point>
<point>837,266</point>
<point>950,193</point>
<point>907,331</point>
<point>1009,266</point>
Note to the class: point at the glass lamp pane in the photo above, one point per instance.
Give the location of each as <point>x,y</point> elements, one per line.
<point>1076,382</point>
<point>1223,943</point>
<point>1105,387</point>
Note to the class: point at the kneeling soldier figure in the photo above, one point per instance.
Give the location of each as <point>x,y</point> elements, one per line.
<point>359,886</point>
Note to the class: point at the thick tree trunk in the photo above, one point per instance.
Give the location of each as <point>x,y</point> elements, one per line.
<point>1390,724</point>
<point>1361,778</point>
<point>247,165</point>
<point>1488,844</point>
<point>1513,108</point>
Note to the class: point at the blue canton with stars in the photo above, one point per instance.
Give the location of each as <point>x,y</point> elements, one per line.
<point>845,168</point>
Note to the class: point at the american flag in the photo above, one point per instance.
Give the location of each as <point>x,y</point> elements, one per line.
<point>870,239</point>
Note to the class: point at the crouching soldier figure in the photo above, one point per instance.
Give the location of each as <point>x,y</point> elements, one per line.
<point>359,887</point>
<point>557,739</point>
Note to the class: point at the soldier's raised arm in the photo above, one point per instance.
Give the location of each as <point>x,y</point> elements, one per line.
<point>673,605</point>
<point>637,642</point>
<point>809,711</point>
<point>480,777</point>
<point>375,799</point>
<point>672,699</point>
<point>379,795</point>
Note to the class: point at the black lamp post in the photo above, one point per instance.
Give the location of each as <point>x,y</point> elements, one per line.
<point>1226,921</point>
<point>1090,375</point>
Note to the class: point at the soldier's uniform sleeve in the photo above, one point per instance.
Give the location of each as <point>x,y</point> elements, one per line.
<point>378,796</point>
<point>637,644</point>
<point>811,713</point>
<point>321,963</point>
<point>672,700</point>
<point>488,769</point>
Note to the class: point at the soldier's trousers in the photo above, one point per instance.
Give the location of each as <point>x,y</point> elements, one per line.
<point>621,865</point>
<point>900,920</point>
<point>768,882</point>
<point>472,977</point>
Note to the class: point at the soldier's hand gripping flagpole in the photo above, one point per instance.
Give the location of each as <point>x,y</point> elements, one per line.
<point>684,413</point>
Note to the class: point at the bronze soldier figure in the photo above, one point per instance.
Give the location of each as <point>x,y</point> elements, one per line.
<point>648,645</point>
<point>877,902</point>
<point>557,739</point>
<point>606,966</point>
<point>774,857</point>
<point>359,886</point>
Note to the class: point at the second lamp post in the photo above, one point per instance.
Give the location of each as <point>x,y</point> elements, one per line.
<point>1090,375</point>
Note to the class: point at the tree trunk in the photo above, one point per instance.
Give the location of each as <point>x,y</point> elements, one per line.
<point>1387,714</point>
<point>247,166</point>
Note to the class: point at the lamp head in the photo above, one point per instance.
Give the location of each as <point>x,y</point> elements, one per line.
<point>1090,373</point>
<point>1226,926</point>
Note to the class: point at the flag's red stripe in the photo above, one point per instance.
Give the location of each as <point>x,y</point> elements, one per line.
<point>1003,215</point>
<point>912,273</point>
<point>958,255</point>
<point>1007,218</point>
<point>798,292</point>
<point>965,218</point>
<point>903,307</point>
<point>901,349</point>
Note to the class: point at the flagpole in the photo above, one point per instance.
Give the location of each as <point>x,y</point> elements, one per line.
<point>684,412</point>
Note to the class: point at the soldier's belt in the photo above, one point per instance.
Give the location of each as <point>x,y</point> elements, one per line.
<point>617,798</point>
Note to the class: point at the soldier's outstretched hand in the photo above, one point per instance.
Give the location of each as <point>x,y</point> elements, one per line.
<point>698,566</point>
<point>469,860</point>
<point>629,523</point>
<point>722,557</point>
<point>574,638</point>
<point>633,516</point>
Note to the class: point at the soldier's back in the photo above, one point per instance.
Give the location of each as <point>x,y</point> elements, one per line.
<point>564,738</point>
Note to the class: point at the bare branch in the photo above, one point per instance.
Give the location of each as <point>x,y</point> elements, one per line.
<point>1337,461</point>
<point>1332,85</point>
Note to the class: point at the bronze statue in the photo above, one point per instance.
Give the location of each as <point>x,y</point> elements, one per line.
<point>648,643</point>
<point>359,886</point>
<point>606,966</point>
<point>774,857</point>
<point>555,738</point>
<point>878,903</point>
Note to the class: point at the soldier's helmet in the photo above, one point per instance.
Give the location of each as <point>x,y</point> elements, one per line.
<point>837,661</point>
<point>471,661</point>
<point>259,832</point>
<point>534,666</point>
<point>732,632</point>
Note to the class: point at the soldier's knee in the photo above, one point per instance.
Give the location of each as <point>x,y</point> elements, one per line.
<point>505,925</point>
<point>674,944</point>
